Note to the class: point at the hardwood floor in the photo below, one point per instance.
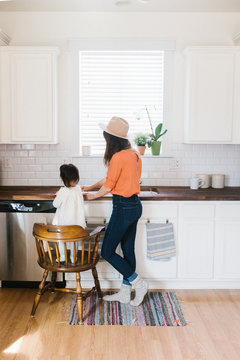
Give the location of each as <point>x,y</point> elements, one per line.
<point>213,331</point>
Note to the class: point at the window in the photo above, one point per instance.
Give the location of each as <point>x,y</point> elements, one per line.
<point>122,78</point>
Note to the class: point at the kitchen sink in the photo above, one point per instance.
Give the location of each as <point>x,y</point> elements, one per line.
<point>144,191</point>
<point>147,193</point>
<point>153,189</point>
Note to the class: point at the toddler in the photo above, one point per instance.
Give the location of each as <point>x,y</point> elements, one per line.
<point>69,204</point>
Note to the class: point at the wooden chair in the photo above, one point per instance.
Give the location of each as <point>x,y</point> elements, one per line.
<point>85,257</point>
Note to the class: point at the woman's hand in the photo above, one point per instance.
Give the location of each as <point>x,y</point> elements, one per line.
<point>94,186</point>
<point>91,196</point>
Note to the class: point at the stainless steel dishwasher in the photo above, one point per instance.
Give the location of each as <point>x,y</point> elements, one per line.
<point>18,255</point>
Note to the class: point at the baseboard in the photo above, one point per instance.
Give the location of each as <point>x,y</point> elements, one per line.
<point>165,284</point>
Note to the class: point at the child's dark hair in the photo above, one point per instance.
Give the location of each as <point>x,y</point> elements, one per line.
<point>68,173</point>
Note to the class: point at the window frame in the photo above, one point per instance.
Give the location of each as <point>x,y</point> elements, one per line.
<point>120,44</point>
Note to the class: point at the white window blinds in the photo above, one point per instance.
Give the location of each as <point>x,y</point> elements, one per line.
<point>119,83</point>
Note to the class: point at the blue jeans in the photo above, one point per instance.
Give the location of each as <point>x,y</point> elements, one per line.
<point>121,229</point>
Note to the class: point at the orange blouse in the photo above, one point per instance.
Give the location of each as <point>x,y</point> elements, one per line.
<point>124,173</point>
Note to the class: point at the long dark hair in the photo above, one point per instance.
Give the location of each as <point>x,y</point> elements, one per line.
<point>114,144</point>
<point>69,173</point>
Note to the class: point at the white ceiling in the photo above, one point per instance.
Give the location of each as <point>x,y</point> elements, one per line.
<point>126,5</point>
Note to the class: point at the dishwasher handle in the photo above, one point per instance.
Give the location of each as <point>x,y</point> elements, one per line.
<point>27,206</point>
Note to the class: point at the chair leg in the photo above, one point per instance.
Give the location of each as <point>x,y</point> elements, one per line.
<point>39,293</point>
<point>97,284</point>
<point>53,281</point>
<point>79,298</point>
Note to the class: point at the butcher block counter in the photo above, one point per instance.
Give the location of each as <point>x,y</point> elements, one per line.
<point>153,193</point>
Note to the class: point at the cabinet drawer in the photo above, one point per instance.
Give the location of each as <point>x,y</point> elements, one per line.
<point>159,210</point>
<point>101,209</point>
<point>228,211</point>
<point>197,210</point>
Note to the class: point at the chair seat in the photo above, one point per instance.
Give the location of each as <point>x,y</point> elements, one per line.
<point>70,267</point>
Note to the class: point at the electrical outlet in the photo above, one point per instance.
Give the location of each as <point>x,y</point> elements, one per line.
<point>175,164</point>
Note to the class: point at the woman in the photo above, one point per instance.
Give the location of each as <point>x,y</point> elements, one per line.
<point>122,180</point>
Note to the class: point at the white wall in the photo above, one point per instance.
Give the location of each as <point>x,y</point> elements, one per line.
<point>39,164</point>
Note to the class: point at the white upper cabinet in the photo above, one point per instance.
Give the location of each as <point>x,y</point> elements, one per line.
<point>212,109</point>
<point>28,95</point>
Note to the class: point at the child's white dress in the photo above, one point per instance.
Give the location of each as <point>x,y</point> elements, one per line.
<point>70,211</point>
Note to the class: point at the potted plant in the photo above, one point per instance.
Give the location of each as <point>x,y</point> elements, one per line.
<point>140,140</point>
<point>153,140</point>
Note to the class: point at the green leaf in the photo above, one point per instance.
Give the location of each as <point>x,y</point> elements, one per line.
<point>163,133</point>
<point>158,130</point>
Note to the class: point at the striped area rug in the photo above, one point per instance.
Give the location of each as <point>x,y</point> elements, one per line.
<point>157,309</point>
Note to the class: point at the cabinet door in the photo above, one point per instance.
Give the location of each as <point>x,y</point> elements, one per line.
<point>155,212</point>
<point>227,243</point>
<point>28,95</point>
<point>196,240</point>
<point>150,269</point>
<point>236,107</point>
<point>210,95</point>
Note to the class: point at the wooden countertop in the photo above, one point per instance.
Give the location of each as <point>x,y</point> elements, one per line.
<point>156,193</point>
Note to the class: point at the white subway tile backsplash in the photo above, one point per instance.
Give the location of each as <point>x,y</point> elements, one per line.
<point>4,175</point>
<point>15,174</point>
<point>35,153</point>
<point>28,146</point>
<point>41,160</point>
<point>50,182</point>
<point>12,147</point>
<point>17,160</point>
<point>20,182</point>
<point>49,153</point>
<point>54,160</point>
<point>20,153</point>
<point>42,147</point>
<point>39,164</point>
<point>7,182</point>
<point>27,161</point>
<point>34,182</point>
<point>50,167</point>
<point>8,153</point>
<point>156,175</point>
<point>29,175</point>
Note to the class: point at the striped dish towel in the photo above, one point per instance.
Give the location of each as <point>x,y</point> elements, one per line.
<point>160,241</point>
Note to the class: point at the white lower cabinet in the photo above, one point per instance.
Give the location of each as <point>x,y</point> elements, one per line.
<point>196,240</point>
<point>155,212</point>
<point>207,236</point>
<point>227,244</point>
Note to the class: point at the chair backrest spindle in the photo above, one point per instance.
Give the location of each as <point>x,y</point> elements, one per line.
<point>83,245</point>
<point>57,253</point>
<point>65,252</point>
<point>77,244</point>
<point>49,253</point>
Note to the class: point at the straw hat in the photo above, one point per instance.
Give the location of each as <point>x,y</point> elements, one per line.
<point>117,127</point>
